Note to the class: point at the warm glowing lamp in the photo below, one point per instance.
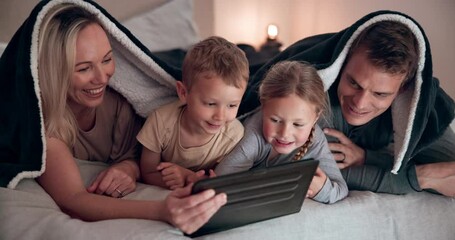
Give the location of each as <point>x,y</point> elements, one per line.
<point>271,47</point>
<point>272,31</point>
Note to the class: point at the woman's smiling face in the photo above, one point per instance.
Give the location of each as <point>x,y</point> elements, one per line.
<point>94,66</point>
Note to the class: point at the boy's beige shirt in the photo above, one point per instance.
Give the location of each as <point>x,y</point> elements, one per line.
<point>161,131</point>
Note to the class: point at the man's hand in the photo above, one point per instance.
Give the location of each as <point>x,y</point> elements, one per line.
<point>345,152</point>
<point>437,176</point>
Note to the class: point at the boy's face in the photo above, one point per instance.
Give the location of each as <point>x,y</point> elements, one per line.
<point>211,104</point>
<point>366,91</point>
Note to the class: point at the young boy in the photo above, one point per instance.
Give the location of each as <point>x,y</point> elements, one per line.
<point>196,132</point>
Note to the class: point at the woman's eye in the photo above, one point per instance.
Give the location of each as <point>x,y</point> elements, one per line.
<point>107,60</point>
<point>232,105</point>
<point>85,69</point>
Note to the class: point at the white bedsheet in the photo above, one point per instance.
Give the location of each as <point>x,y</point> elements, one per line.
<point>28,212</point>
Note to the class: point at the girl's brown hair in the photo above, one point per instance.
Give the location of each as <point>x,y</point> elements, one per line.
<point>300,78</point>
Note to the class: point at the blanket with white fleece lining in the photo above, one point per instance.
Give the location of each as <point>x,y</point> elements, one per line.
<point>144,80</point>
<point>420,114</point>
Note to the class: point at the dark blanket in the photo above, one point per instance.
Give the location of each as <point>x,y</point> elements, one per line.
<point>420,115</point>
<point>143,78</point>
<point>147,80</point>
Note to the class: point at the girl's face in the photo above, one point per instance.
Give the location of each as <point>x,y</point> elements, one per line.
<point>287,122</point>
<point>94,66</point>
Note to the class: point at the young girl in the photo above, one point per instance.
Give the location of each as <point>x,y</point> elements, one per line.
<point>284,129</point>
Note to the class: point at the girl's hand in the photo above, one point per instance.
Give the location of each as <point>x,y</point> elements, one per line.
<point>317,183</point>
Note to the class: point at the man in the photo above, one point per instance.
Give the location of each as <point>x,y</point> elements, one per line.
<point>389,125</point>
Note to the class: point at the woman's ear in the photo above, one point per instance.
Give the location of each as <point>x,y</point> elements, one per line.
<point>181,91</point>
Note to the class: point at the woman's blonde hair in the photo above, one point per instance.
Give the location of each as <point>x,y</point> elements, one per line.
<point>56,60</point>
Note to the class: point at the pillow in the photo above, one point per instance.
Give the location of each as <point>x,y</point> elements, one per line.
<point>169,26</point>
<point>2,47</point>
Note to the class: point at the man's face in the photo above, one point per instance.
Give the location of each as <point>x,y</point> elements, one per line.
<point>366,91</point>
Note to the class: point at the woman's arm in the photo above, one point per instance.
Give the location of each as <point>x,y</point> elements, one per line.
<point>121,125</point>
<point>62,181</point>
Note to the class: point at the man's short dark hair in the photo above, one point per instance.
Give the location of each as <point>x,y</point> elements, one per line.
<point>391,46</point>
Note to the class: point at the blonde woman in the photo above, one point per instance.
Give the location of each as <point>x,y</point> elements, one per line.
<point>83,118</point>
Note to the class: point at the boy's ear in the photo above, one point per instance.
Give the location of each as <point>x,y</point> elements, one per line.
<point>181,91</point>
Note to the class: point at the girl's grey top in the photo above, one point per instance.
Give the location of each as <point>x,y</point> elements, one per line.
<point>253,150</point>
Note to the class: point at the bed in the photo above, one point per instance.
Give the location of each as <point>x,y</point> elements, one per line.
<point>28,212</point>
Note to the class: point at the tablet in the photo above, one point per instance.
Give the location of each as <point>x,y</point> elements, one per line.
<point>258,194</point>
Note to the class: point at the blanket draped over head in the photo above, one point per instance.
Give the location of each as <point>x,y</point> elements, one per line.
<point>144,80</point>
<point>419,115</point>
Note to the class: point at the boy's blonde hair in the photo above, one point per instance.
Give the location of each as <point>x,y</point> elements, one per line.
<point>288,77</point>
<point>215,56</point>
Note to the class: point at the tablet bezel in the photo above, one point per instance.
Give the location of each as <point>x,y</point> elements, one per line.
<point>268,192</point>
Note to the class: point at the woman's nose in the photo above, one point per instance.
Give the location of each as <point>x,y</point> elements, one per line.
<point>101,75</point>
